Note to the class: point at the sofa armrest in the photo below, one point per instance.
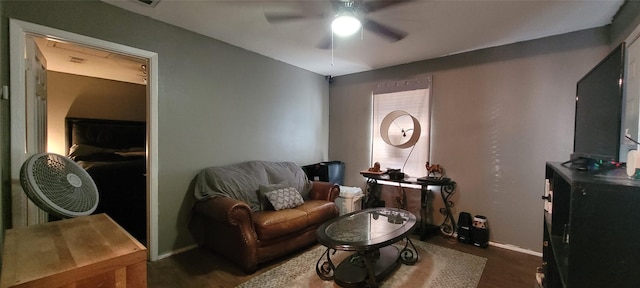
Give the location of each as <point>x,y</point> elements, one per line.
<point>224,210</point>
<point>324,191</point>
<point>228,229</point>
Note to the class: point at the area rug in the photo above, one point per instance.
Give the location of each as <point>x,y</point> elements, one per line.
<point>437,267</point>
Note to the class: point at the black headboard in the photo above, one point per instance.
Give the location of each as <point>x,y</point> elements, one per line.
<point>106,133</point>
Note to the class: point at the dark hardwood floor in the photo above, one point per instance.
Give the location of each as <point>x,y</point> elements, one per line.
<point>201,268</point>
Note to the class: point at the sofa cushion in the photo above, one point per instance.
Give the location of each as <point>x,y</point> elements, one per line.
<point>270,224</point>
<point>319,211</point>
<point>284,198</point>
<point>264,202</point>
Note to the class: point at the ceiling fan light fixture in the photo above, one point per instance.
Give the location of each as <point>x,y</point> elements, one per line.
<point>345,25</point>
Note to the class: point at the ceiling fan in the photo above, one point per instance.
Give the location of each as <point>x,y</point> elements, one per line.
<point>352,10</point>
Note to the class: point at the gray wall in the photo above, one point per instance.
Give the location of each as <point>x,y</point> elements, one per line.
<point>498,115</point>
<point>218,104</point>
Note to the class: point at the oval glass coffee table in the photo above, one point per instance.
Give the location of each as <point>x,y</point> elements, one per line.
<point>370,233</point>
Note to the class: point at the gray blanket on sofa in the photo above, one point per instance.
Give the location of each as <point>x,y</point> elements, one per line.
<point>242,181</point>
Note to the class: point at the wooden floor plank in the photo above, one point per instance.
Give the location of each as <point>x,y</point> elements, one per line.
<point>201,268</point>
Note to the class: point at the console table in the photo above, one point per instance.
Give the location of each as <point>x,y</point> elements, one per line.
<point>446,186</point>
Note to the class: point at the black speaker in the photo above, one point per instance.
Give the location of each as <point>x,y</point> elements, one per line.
<point>480,231</point>
<point>464,228</point>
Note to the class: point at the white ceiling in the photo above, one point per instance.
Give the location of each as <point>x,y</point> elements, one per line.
<point>82,60</point>
<point>435,27</point>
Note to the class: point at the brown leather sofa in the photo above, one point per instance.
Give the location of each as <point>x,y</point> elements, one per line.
<point>234,224</point>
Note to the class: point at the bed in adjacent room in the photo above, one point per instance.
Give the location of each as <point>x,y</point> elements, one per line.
<point>113,152</point>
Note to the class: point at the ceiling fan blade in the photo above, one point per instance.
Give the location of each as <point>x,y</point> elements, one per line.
<point>383,30</point>
<point>275,18</point>
<point>373,6</point>
<point>281,17</point>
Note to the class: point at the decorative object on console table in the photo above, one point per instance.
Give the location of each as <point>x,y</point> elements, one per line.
<point>411,127</point>
<point>435,171</point>
<point>400,130</point>
<point>87,251</point>
<point>395,174</point>
<point>375,168</point>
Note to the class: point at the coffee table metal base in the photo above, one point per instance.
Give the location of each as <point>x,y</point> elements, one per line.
<point>354,270</point>
<point>366,268</point>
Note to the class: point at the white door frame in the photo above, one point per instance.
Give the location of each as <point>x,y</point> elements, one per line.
<point>17,31</point>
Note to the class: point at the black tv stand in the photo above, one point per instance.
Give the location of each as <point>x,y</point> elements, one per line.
<point>590,235</point>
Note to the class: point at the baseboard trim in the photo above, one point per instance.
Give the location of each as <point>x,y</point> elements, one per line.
<point>515,248</point>
<point>509,247</point>
<point>495,244</point>
<point>177,251</point>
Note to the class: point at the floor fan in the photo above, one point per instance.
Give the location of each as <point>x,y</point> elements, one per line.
<point>58,185</point>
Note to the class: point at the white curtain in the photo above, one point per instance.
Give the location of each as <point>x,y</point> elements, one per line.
<point>412,97</point>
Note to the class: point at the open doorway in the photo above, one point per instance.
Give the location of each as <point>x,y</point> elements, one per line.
<point>96,103</point>
<point>20,34</point>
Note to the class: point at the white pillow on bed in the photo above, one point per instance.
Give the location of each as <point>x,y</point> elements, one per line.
<point>132,153</point>
<point>84,150</point>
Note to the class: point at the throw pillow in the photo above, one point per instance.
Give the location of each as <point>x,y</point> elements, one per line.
<point>264,202</point>
<point>285,198</point>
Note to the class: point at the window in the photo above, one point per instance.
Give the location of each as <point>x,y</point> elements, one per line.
<point>411,102</point>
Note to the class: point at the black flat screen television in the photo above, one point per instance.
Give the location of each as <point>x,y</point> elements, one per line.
<point>599,111</point>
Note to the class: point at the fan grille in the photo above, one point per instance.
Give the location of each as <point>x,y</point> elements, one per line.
<point>59,186</point>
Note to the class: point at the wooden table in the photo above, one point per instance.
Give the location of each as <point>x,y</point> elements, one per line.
<point>89,251</point>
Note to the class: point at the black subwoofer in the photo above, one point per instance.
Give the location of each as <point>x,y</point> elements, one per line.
<point>464,228</point>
